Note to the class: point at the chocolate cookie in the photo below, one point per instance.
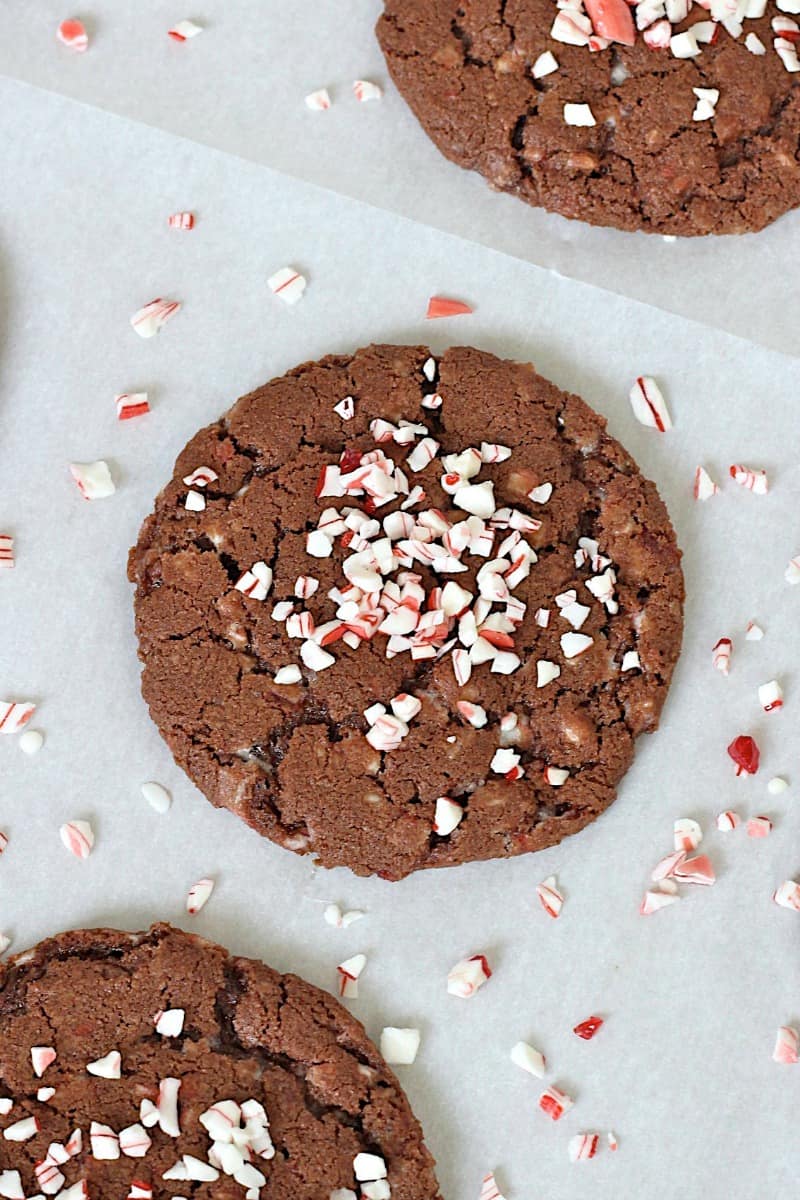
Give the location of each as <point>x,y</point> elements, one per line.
<point>691,128</point>
<point>156,1065</point>
<point>399,612</point>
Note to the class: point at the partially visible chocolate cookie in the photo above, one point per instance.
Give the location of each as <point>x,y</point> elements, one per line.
<point>399,612</point>
<point>693,128</point>
<point>157,1065</point>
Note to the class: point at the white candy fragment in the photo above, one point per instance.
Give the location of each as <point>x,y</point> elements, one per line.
<point>368,1167</point>
<point>78,837</point>
<point>704,486</point>
<point>447,816</point>
<point>529,1059</point>
<point>787,1043</point>
<point>315,658</point>
<point>573,644</point>
<point>104,1141</point>
<point>546,672</point>
<point>134,1141</point>
<point>653,901</point>
<point>195,501</point>
<point>467,976</point>
<point>199,895</point>
<point>169,1023</point>
<point>770,696</point>
<point>684,45</point>
<point>648,404</point>
<point>706,105</point>
<point>148,320</point>
<point>41,1058</point>
<point>754,44</point>
<point>630,661</point>
<point>579,114</point>
<point>349,973</point>
<point>545,64</point>
<point>476,498</point>
<point>550,897</point>
<point>93,479</point>
<point>399,1046</point>
<point>288,284</point>
<point>182,31</point>
<point>288,675</point>
<point>318,101</point>
<point>108,1067</point>
<point>256,582</point>
<point>787,895</point>
<point>156,796</point>
<point>364,90</point>
<point>341,920</point>
<point>687,834</point>
<point>792,572</point>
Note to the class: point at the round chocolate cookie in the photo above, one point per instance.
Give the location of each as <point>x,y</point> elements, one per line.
<point>692,128</point>
<point>155,1065</point>
<point>399,612</point>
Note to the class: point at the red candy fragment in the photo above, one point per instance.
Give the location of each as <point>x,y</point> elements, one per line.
<point>441,306</point>
<point>612,19</point>
<point>588,1028</point>
<point>745,753</point>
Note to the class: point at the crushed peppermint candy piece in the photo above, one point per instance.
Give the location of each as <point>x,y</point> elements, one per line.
<point>6,550</point>
<point>72,33</point>
<point>14,715</point>
<point>156,796</point>
<point>648,404</point>
<point>341,920</point>
<point>288,284</point>
<point>131,404</point>
<point>195,502</point>
<point>93,479</point>
<point>43,1094</point>
<point>770,696</point>
<point>704,486</point>
<point>349,972</point>
<point>687,834</point>
<point>787,895</point>
<point>5,942</point>
<point>753,480</point>
<point>134,1141</point>
<point>184,30</point>
<point>442,306</point>
<point>546,672</point>
<point>721,660</point>
<point>695,870</point>
<point>653,901</point>
<point>21,1131</point>
<point>754,44</point>
<point>753,632</point>
<point>728,820</point>
<point>149,319</point>
<point>399,1046</point>
<point>167,1107</point>
<point>108,1067</point>
<point>489,1188</point>
<point>42,1057</point>
<point>630,661</point>
<point>545,64</point>
<point>364,90</point>
<point>169,1022</point>
<point>256,582</point>
<point>579,114</point>
<point>792,572</point>
<point>759,827</point>
<point>468,975</point>
<point>555,1103</point>
<point>666,866</point>
<point>583,1146</point>
<point>706,106</point>
<point>447,816</point>
<point>198,895</point>
<point>181,220</point>
<point>556,776</point>
<point>573,644</point>
<point>287,675</point>
<point>318,101</point>
<point>529,1059</point>
<point>201,477</point>
<point>787,1043</point>
<point>745,753</point>
<point>612,21</point>
<point>346,408</point>
<point>550,897</point>
<point>776,786</point>
<point>588,1028</point>
<point>78,837</point>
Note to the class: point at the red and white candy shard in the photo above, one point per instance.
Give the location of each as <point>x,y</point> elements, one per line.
<point>201,477</point>
<point>42,1057</point>
<point>93,479</point>
<point>753,632</point>
<point>6,550</point>
<point>134,1142</point>
<point>583,1146</point>
<point>184,30</point>
<point>131,404</point>
<point>149,319</point>
<point>181,220</point>
<point>611,1138</point>
<point>199,895</point>
<point>288,284</point>
<point>759,827</point>
<point>169,1023</point>
<point>349,972</point>
<point>695,870</point>
<point>550,897</point>
<point>318,101</point>
<point>653,901</point>
<point>753,480</point>
<point>21,1131</point>
<point>104,1141</point>
<point>787,895</point>
<point>787,1043</point>
<point>728,821</point>
<point>447,816</point>
<point>467,976</point>
<point>666,866</point>
<point>687,834</point>
<point>256,582</point>
<point>648,404</point>
<point>489,1189</point>
<point>555,1103</point>
<point>364,90</point>
<point>78,837</point>
<point>721,660</point>
<point>72,33</point>
<point>443,306</point>
<point>345,408</point>
<point>529,1059</point>
<point>167,1107</point>
<point>770,696</point>
<point>108,1067</point>
<point>14,715</point>
<point>704,486</point>
<point>399,1046</point>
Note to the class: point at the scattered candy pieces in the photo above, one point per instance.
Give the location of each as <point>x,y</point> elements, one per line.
<point>6,551</point>
<point>181,220</point>
<point>648,404</point>
<point>687,834</point>
<point>148,320</point>
<point>728,821</point>
<point>42,1057</point>
<point>759,827</point>
<point>14,715</point>
<point>753,480</point>
<point>156,796</point>
<point>695,870</point>
<point>349,972</point>
<point>93,479</point>
<point>467,976</point>
<point>288,284</point>
<point>131,404</point>
<point>555,1103</point>
<point>787,1043</point>
<point>744,752</point>
<point>184,30</point>
<point>721,660</point>
<point>588,1028</point>
<point>529,1059</point>
<point>770,696</point>
<point>704,486</point>
<point>399,1046</point>
<point>318,101</point>
<point>777,785</point>
<point>341,920</point>
<point>198,895</point>
<point>108,1067</point>
<point>73,33</point>
<point>787,895</point>
<point>441,306</point>
<point>364,90</point>
<point>583,1146</point>
<point>78,837</point>
<point>550,897</point>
